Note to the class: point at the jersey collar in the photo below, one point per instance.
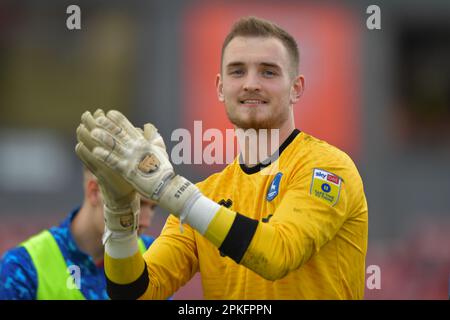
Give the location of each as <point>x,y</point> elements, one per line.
<point>271,159</point>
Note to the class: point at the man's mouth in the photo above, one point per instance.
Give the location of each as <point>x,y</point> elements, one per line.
<point>252,101</point>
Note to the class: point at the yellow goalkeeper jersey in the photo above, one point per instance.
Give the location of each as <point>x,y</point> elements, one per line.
<point>308,239</point>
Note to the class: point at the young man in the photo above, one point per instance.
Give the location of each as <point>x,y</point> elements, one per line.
<point>290,226</point>
<point>38,269</point>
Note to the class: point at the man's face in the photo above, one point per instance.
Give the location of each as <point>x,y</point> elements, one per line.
<point>146,214</point>
<point>256,85</point>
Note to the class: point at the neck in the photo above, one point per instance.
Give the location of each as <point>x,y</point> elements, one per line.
<point>87,238</point>
<point>258,145</point>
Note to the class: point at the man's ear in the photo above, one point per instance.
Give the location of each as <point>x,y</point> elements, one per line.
<point>297,89</point>
<point>219,87</point>
<point>93,194</point>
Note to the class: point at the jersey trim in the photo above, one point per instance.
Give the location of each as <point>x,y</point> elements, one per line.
<point>271,159</point>
<point>239,237</point>
<point>130,291</point>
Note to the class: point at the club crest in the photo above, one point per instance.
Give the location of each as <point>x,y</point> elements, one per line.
<point>274,188</point>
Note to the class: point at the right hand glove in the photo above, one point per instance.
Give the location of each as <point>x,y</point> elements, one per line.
<point>141,159</point>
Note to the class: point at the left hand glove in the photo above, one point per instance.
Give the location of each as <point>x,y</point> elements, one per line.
<point>141,159</point>
<point>121,201</point>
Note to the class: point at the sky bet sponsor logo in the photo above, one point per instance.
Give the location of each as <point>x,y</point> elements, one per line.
<point>326,186</point>
<point>333,179</point>
<point>326,176</point>
<point>320,174</point>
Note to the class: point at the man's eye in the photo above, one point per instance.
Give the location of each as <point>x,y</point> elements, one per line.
<point>269,73</point>
<point>237,72</point>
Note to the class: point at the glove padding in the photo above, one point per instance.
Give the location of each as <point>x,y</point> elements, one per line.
<point>140,158</point>
<point>121,201</point>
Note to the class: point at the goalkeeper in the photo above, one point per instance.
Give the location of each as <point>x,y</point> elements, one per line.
<point>293,226</point>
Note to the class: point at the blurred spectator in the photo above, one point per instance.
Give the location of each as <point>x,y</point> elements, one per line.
<point>39,268</point>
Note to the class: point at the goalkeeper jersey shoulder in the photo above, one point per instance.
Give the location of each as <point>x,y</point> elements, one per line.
<point>327,169</point>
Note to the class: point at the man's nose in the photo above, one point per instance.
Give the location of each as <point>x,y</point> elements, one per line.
<point>251,82</point>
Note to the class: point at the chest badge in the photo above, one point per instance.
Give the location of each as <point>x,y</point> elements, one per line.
<point>274,187</point>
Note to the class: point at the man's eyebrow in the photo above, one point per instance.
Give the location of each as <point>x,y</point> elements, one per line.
<point>264,64</point>
<point>271,65</point>
<point>234,64</point>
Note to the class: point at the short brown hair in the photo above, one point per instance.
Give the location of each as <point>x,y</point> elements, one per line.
<point>256,27</point>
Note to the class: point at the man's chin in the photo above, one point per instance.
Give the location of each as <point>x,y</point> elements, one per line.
<point>251,124</point>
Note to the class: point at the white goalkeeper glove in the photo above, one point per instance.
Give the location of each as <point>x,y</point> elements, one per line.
<point>121,201</point>
<point>141,159</point>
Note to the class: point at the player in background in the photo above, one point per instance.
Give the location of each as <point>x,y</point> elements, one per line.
<point>39,268</point>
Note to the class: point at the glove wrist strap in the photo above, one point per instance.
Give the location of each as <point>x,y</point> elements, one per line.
<point>120,246</point>
<point>176,193</point>
<point>124,220</point>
